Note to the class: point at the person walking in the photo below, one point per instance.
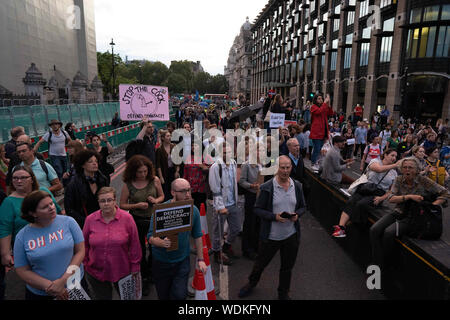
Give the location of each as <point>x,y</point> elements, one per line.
<point>167,171</point>
<point>57,140</point>
<point>279,205</point>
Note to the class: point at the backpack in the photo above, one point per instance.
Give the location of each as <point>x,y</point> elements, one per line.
<point>424,220</point>
<point>50,133</point>
<point>241,190</point>
<point>133,148</point>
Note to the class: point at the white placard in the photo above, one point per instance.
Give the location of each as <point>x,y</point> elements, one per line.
<point>130,287</point>
<point>78,294</point>
<point>350,142</point>
<point>277,120</point>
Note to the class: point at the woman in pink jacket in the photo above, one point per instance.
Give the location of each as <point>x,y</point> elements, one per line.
<point>112,246</point>
<point>320,110</point>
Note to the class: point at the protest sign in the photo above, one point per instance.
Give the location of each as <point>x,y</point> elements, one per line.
<point>350,141</point>
<point>137,101</point>
<point>130,287</point>
<point>172,218</point>
<point>78,294</point>
<point>277,120</point>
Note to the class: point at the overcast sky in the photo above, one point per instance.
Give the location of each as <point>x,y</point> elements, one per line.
<point>196,30</point>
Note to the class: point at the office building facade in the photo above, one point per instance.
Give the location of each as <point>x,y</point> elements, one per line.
<point>375,53</point>
<point>55,37</point>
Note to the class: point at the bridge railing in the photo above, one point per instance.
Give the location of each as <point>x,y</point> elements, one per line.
<point>35,118</point>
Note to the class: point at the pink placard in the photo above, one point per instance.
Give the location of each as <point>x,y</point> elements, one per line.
<point>137,101</point>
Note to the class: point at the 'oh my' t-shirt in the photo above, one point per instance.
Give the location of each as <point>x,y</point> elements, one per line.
<point>48,251</point>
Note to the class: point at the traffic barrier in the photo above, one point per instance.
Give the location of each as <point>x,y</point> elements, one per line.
<point>204,224</point>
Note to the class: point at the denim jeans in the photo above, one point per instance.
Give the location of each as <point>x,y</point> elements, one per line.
<point>171,279</point>
<point>317,146</point>
<point>59,163</point>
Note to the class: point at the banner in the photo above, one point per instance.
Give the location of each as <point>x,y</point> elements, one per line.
<point>137,101</point>
<point>78,294</point>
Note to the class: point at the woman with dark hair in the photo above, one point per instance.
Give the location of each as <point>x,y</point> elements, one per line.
<point>393,141</point>
<point>320,110</point>
<point>23,182</point>
<point>140,191</point>
<point>104,151</point>
<point>73,148</point>
<point>70,129</point>
<point>167,171</point>
<point>46,248</point>
<point>379,172</point>
<point>80,197</point>
<point>196,174</point>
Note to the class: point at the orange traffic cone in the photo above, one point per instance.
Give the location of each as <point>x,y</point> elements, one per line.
<point>199,285</point>
<point>210,290</point>
<point>204,224</point>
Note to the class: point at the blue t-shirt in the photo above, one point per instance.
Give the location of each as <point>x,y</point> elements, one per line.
<point>48,251</point>
<point>360,135</point>
<point>184,250</point>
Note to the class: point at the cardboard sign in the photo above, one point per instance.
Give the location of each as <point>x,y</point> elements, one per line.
<point>277,120</point>
<point>172,218</point>
<point>137,101</point>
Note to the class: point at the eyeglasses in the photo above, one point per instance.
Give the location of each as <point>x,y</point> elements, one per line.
<point>20,178</point>
<point>183,191</point>
<point>103,201</point>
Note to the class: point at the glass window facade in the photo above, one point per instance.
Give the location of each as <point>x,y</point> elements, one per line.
<point>364,58</point>
<point>386,49</point>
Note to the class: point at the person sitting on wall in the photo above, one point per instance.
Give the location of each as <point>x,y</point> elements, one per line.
<point>334,165</point>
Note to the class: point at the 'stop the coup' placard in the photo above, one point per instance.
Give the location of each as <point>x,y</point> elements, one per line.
<point>138,101</point>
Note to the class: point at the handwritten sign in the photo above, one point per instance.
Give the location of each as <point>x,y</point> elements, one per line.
<point>277,120</point>
<point>137,101</point>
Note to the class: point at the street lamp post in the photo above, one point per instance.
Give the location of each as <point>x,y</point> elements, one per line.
<point>113,91</point>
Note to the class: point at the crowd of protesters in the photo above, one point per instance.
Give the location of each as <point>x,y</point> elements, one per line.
<point>109,236</point>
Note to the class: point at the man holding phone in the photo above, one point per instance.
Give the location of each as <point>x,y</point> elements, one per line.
<point>279,205</point>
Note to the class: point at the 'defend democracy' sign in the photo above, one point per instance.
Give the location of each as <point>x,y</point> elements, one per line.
<point>138,101</point>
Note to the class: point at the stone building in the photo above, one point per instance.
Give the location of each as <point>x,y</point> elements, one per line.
<point>239,65</point>
<point>377,53</point>
<point>56,41</point>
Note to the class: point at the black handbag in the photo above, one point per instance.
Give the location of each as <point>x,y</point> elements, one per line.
<point>371,189</point>
<point>424,220</point>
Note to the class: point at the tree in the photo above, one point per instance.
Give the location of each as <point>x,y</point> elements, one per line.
<point>154,73</point>
<point>202,82</point>
<point>176,83</point>
<point>219,84</point>
<point>183,68</point>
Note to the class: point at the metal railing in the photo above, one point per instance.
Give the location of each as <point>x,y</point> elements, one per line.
<point>35,118</point>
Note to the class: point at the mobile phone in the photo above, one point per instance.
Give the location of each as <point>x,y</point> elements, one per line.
<point>286,215</point>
